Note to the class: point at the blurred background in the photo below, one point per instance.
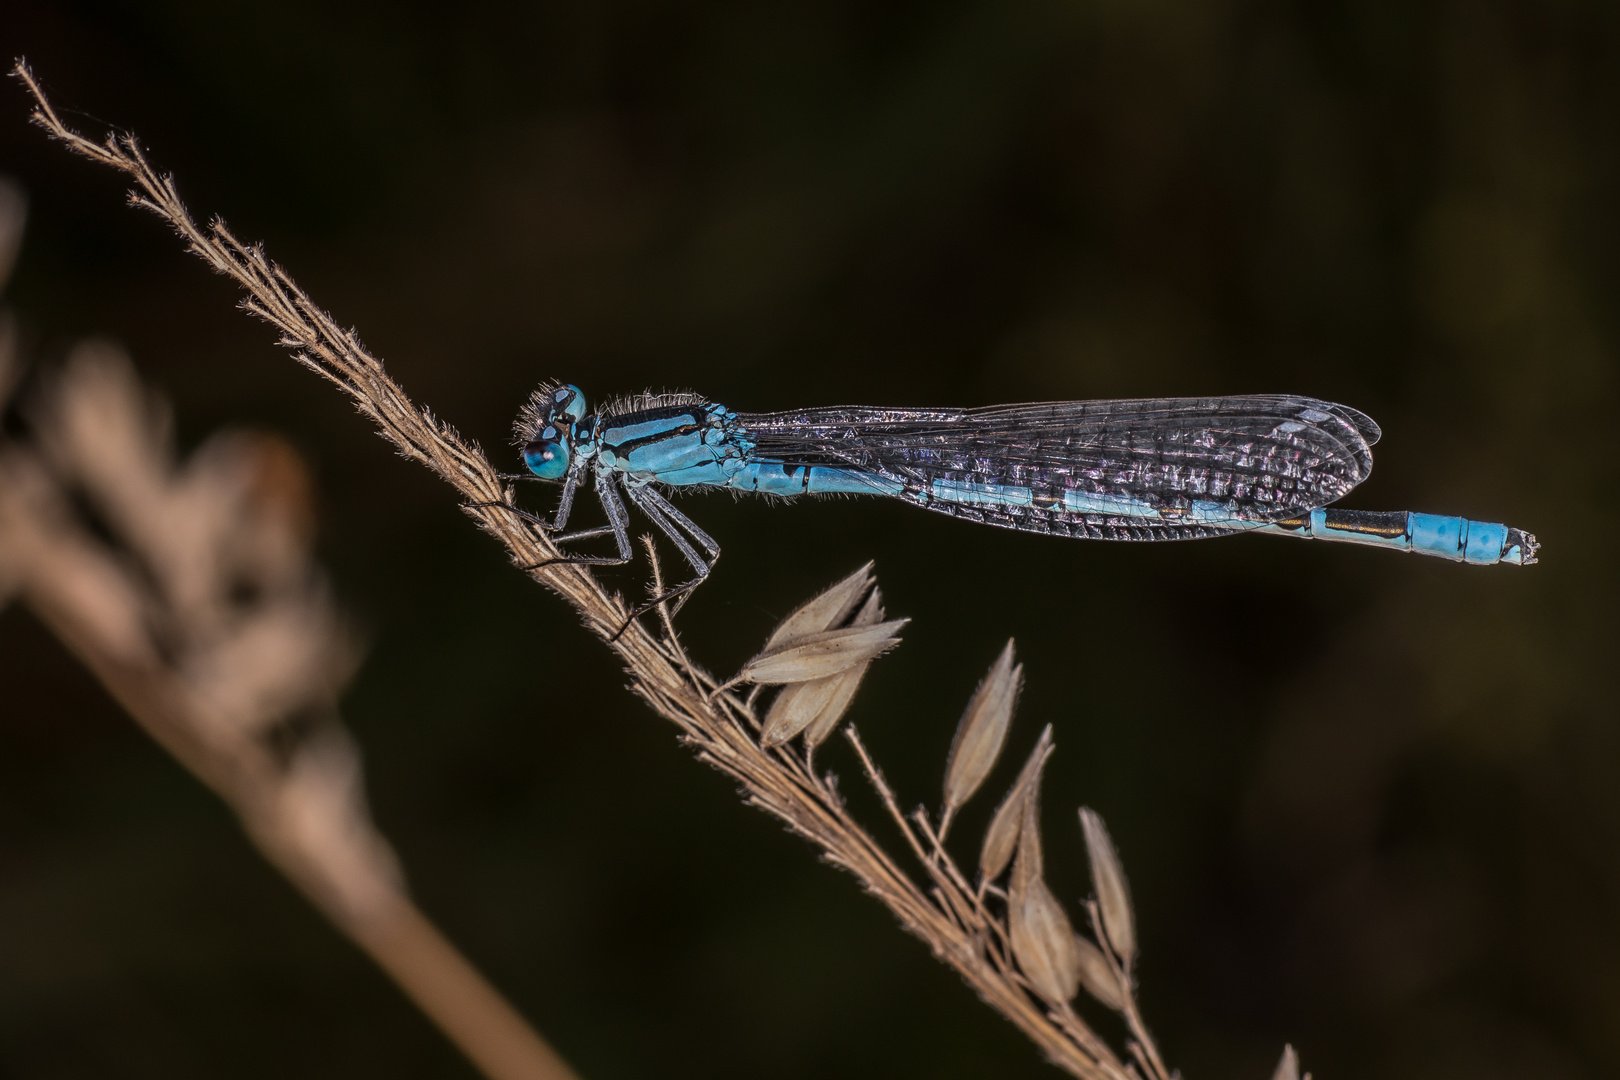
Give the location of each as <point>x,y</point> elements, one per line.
<point>1367,802</point>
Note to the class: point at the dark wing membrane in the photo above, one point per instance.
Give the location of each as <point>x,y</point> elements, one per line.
<point>1263,457</point>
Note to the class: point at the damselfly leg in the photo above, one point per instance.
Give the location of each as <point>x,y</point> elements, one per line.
<point>565,506</point>
<point>662,513</point>
<point>618,524</point>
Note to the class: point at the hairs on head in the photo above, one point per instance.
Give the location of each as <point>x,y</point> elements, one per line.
<point>535,412</point>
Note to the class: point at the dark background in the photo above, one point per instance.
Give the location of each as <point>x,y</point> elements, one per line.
<point>1367,802</point>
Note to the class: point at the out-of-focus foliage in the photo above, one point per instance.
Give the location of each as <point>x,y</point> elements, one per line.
<point>1367,801</point>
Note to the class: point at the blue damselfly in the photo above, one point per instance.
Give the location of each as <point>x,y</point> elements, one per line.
<point>1146,469</point>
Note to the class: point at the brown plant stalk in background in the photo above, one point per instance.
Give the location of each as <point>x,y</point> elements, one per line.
<point>1002,931</point>
<point>189,590</point>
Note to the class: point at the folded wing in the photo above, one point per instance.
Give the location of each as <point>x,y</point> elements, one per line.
<point>1264,457</point>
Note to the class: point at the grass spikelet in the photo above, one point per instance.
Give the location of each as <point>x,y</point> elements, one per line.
<point>845,683</point>
<point>1001,838</point>
<point>981,732</point>
<point>816,656</point>
<point>819,703</point>
<point>1098,976</point>
<point>1042,938</point>
<point>1108,878</point>
<point>1288,1066</point>
<point>825,611</point>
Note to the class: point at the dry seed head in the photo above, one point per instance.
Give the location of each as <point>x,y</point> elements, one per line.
<point>1097,975</point>
<point>816,656</point>
<point>1001,839</point>
<point>982,730</point>
<point>846,683</point>
<point>1108,878</point>
<point>290,654</point>
<point>1042,939</point>
<point>819,703</point>
<point>824,612</point>
<point>1288,1067</point>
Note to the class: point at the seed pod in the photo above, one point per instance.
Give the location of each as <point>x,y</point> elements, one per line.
<point>982,730</point>
<point>1288,1067</point>
<point>1001,839</point>
<point>1108,878</point>
<point>1098,977</point>
<point>1042,939</point>
<point>826,611</point>
<point>846,683</point>
<point>816,656</point>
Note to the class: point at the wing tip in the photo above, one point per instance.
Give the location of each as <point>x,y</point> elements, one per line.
<point>1365,424</point>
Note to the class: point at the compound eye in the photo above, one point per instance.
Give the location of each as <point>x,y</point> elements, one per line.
<point>547,455</point>
<point>568,401</point>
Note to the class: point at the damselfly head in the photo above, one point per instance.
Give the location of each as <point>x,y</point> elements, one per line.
<point>546,427</point>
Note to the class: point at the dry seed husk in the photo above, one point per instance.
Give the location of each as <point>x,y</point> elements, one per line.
<point>1043,942</point>
<point>826,722</point>
<point>816,656</point>
<point>1001,838</point>
<point>819,703</point>
<point>798,705</point>
<point>871,611</point>
<point>1288,1067</point>
<point>826,611</point>
<point>1097,976</point>
<point>846,683</point>
<point>982,730</point>
<point>1028,865</point>
<point>1042,939</point>
<point>1108,878</point>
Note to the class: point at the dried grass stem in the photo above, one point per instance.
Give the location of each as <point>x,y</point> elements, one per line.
<point>950,916</point>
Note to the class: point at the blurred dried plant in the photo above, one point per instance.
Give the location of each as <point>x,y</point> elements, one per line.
<point>1005,934</point>
<point>189,589</point>
<point>1288,1066</point>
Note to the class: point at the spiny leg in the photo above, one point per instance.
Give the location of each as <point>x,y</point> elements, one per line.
<point>565,506</point>
<point>658,511</point>
<point>710,546</point>
<point>582,534</point>
<point>565,503</point>
<point>648,495</point>
<point>618,524</point>
<point>533,519</point>
<point>657,516</point>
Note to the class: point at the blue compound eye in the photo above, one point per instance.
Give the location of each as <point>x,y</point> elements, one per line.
<point>568,401</point>
<point>547,455</point>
